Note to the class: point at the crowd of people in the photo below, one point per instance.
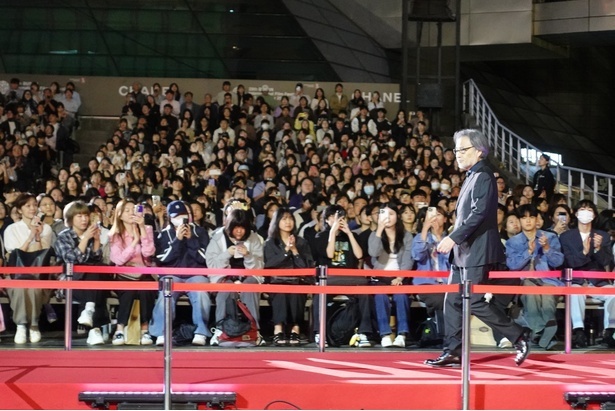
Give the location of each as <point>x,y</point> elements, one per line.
<point>247,182</point>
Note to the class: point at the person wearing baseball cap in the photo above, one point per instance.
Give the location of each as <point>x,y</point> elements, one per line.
<point>183,244</point>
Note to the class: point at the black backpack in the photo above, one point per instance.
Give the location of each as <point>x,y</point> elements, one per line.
<point>342,324</point>
<point>431,331</point>
<point>183,334</point>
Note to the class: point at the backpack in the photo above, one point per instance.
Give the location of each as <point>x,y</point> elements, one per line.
<point>342,324</point>
<point>183,334</point>
<point>238,327</point>
<point>431,331</point>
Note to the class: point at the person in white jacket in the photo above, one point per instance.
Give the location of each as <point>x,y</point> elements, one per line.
<point>237,246</point>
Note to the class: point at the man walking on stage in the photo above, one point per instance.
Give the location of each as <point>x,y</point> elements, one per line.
<point>476,250</point>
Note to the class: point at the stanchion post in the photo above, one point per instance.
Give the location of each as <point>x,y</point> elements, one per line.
<point>68,308</point>
<point>567,314</point>
<point>466,295</point>
<point>166,286</point>
<point>321,274</point>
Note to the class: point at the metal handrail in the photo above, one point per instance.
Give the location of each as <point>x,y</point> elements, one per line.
<point>507,147</point>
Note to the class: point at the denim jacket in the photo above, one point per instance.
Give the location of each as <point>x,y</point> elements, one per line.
<point>518,257</point>
<point>421,252</point>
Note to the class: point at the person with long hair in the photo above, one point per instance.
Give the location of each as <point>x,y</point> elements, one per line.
<point>236,246</point>
<point>336,246</point>
<point>284,250</point>
<point>28,234</point>
<point>390,247</point>
<point>132,245</point>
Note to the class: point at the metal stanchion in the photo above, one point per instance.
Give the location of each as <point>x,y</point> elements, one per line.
<point>466,295</point>
<point>166,286</point>
<point>68,308</point>
<point>567,315</point>
<point>321,274</point>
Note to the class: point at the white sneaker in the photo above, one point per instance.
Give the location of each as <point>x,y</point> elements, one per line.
<point>364,342</point>
<point>35,336</point>
<point>21,335</point>
<point>198,339</point>
<point>95,337</point>
<point>146,339</point>
<point>86,318</point>
<point>317,340</point>
<point>386,341</point>
<point>160,340</point>
<point>505,343</point>
<point>400,341</point>
<point>215,338</point>
<point>118,338</point>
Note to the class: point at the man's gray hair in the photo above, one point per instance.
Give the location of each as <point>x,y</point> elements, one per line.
<point>477,139</point>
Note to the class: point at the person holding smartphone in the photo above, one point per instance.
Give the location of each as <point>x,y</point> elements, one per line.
<point>132,245</point>
<point>80,244</point>
<point>183,244</point>
<point>337,247</point>
<point>236,246</point>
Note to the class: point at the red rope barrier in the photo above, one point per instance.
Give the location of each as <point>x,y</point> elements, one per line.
<point>525,274</point>
<point>56,269</point>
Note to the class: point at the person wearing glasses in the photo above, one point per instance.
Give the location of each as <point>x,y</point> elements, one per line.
<point>476,249</point>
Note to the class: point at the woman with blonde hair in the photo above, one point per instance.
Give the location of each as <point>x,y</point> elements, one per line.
<point>132,245</point>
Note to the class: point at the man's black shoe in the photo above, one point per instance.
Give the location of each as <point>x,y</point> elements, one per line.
<point>523,348</point>
<point>579,340</point>
<point>445,360</point>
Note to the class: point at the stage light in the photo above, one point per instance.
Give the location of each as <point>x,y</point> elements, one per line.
<point>155,400</point>
<point>580,399</point>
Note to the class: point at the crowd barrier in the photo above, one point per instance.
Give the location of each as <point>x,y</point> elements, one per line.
<point>318,288</point>
<point>167,286</point>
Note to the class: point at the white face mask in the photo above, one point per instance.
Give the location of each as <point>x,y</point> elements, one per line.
<point>435,185</point>
<point>444,187</point>
<point>265,126</point>
<point>99,159</point>
<point>351,195</point>
<point>416,171</point>
<point>585,216</point>
<point>177,221</point>
<point>391,144</point>
<point>369,190</point>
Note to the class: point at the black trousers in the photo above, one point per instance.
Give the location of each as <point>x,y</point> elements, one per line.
<point>366,304</point>
<point>288,308</point>
<point>147,299</point>
<point>491,314</point>
<point>98,297</point>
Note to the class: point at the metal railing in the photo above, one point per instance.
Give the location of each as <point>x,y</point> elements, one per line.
<point>508,149</point>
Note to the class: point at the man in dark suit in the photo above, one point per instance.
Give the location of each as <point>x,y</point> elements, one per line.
<point>476,250</point>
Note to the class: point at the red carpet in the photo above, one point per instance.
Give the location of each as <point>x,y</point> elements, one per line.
<point>47,379</point>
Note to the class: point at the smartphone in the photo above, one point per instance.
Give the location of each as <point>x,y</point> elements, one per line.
<point>155,200</point>
<point>186,221</point>
<point>562,217</point>
<point>431,211</point>
<point>215,172</point>
<point>75,165</point>
<point>211,182</point>
<point>237,253</point>
<point>383,211</point>
<point>139,209</point>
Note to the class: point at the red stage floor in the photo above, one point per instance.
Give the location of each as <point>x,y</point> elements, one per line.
<point>52,379</point>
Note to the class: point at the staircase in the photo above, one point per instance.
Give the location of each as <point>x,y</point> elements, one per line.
<point>92,133</point>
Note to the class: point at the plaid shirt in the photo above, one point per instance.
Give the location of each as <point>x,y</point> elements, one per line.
<point>67,249</point>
